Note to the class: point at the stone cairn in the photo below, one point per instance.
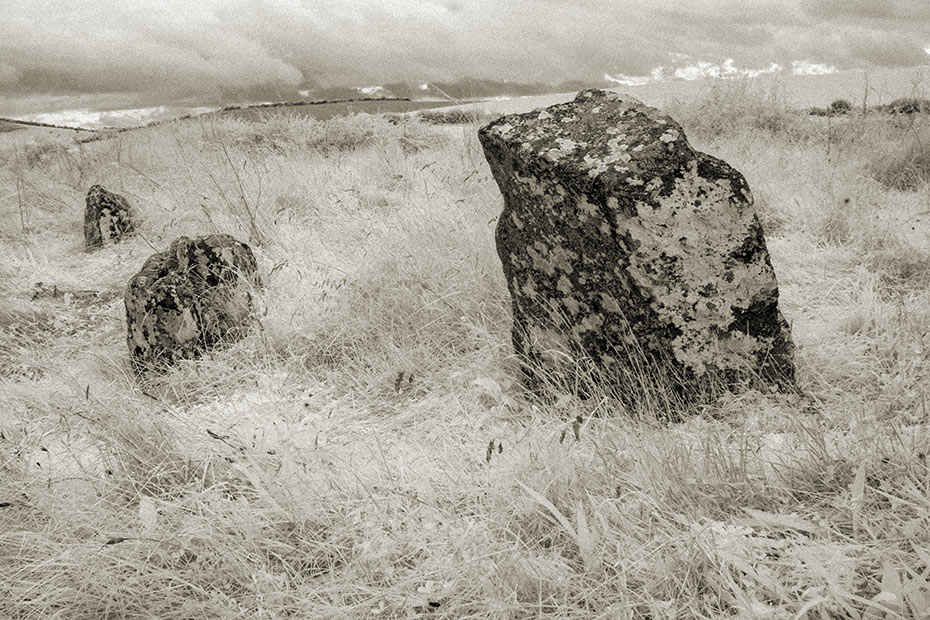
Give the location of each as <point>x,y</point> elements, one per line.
<point>622,245</point>
<point>108,217</point>
<point>189,298</point>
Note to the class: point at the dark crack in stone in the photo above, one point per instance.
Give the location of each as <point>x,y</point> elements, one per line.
<point>190,298</point>
<point>622,245</point>
<point>108,217</point>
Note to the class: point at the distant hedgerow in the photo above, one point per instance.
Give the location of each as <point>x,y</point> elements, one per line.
<point>455,116</point>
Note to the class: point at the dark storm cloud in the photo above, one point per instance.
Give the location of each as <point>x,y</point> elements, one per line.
<point>710,32</point>
<point>177,49</point>
<point>111,47</point>
<point>868,32</point>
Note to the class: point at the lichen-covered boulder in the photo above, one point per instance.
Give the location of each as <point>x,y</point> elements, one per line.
<point>107,217</point>
<point>623,245</point>
<point>189,298</point>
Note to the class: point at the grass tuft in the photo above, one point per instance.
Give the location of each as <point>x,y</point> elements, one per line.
<point>457,116</point>
<point>904,167</point>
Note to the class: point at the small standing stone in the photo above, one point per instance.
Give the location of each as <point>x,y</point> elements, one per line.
<point>186,300</point>
<point>108,217</point>
<point>622,244</point>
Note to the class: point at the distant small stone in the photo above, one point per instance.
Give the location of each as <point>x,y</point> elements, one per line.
<point>624,247</point>
<point>108,217</point>
<point>190,298</point>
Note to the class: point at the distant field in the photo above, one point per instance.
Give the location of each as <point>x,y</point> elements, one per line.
<point>15,137</point>
<point>325,111</point>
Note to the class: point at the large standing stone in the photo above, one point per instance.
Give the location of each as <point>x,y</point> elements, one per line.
<point>189,298</point>
<point>107,217</point>
<point>623,244</point>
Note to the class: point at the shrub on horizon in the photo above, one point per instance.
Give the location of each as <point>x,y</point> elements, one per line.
<point>909,105</point>
<point>840,106</point>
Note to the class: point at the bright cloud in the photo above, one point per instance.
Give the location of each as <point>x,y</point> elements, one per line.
<point>694,71</point>
<point>372,91</point>
<point>627,80</point>
<point>805,67</point>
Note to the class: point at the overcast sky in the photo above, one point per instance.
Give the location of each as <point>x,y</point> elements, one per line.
<point>61,53</point>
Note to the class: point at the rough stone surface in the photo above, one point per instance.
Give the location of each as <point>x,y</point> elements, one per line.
<point>622,243</point>
<point>189,298</point>
<point>108,217</point>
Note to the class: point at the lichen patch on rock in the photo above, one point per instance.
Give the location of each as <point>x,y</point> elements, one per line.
<point>618,236</point>
<point>189,298</point>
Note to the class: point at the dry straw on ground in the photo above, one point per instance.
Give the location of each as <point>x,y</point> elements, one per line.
<point>367,452</point>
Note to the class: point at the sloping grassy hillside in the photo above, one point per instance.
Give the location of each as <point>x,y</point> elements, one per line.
<point>22,139</point>
<point>367,452</point>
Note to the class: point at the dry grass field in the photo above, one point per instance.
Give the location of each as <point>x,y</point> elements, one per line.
<point>368,452</point>
<point>18,138</point>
